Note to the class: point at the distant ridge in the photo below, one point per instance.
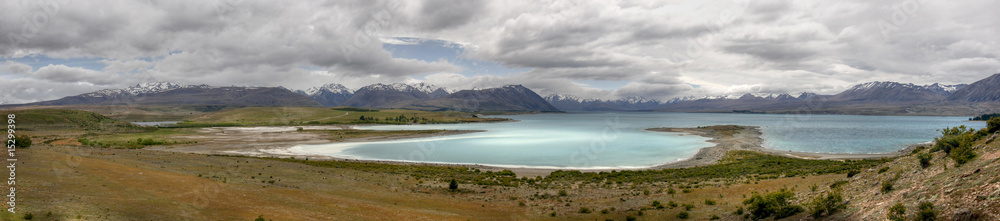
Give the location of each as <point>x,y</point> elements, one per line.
<point>165,93</point>
<point>985,90</point>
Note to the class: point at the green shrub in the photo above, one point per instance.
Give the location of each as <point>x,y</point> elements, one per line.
<point>584,210</point>
<point>925,159</point>
<point>828,203</point>
<point>683,215</point>
<point>926,211</point>
<point>709,202</point>
<point>887,186</point>
<point>260,218</point>
<point>993,125</point>
<point>883,169</point>
<point>851,173</point>
<point>657,204</point>
<point>22,142</point>
<point>671,191</point>
<point>714,217</point>
<point>897,212</point>
<point>563,193</point>
<point>838,184</point>
<point>453,185</point>
<point>29,216</point>
<point>777,204</point>
<point>672,204</point>
<point>688,207</point>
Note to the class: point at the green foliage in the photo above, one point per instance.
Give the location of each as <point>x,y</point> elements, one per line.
<point>957,142</point>
<point>838,184</point>
<point>688,207</point>
<point>260,218</point>
<point>897,212</point>
<point>851,173</point>
<point>714,217</point>
<point>925,159</point>
<point>985,117</point>
<point>29,216</point>
<point>883,169</point>
<point>657,204</point>
<point>887,186</point>
<point>777,204</point>
<point>22,142</point>
<point>828,203</point>
<point>736,164</point>
<point>671,191</point>
<point>563,193</point>
<point>709,202</point>
<point>926,212</point>
<point>993,125</point>
<point>453,185</point>
<point>672,204</point>
<point>584,210</point>
<point>683,215</point>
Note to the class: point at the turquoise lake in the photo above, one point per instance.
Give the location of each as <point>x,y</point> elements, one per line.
<point>618,139</point>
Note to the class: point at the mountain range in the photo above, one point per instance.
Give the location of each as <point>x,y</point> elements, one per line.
<point>867,98</point>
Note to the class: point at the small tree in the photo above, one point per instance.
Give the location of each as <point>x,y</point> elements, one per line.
<point>453,185</point>
<point>897,212</point>
<point>926,212</point>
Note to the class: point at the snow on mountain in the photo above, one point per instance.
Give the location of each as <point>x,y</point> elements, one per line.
<point>138,89</point>
<point>331,88</point>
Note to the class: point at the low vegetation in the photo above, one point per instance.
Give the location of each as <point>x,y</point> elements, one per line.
<point>985,117</point>
<point>827,204</point>
<point>777,204</point>
<point>957,142</point>
<point>283,116</point>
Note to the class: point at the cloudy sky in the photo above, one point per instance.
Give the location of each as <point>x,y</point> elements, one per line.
<point>606,49</point>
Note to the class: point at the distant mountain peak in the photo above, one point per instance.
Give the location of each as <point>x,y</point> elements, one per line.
<point>330,88</point>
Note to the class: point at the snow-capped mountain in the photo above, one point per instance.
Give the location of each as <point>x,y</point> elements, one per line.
<point>166,93</point>
<point>393,95</point>
<point>896,92</point>
<point>136,90</point>
<point>574,103</point>
<point>329,88</point>
<point>329,94</point>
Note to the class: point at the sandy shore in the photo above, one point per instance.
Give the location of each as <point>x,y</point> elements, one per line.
<point>731,137</point>
<point>276,142</point>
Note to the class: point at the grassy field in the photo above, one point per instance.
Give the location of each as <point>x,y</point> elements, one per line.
<point>326,116</point>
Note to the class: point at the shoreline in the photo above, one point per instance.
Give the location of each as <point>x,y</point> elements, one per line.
<point>726,138</point>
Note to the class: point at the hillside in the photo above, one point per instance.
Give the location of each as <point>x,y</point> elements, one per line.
<point>57,120</point>
<point>985,90</point>
<point>969,191</point>
<point>506,98</point>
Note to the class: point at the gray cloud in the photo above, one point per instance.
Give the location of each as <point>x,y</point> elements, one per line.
<point>767,47</point>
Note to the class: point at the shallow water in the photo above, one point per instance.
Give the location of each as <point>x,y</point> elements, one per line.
<point>618,139</point>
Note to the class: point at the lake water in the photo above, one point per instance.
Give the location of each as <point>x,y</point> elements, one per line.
<point>618,139</point>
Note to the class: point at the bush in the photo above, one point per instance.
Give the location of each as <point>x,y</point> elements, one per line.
<point>714,217</point>
<point>883,169</point>
<point>563,193</point>
<point>993,125</point>
<point>453,185</point>
<point>29,216</point>
<point>657,204</point>
<point>260,218</point>
<point>709,202</point>
<point>926,211</point>
<point>683,215</point>
<point>838,184</point>
<point>851,173</point>
<point>897,212</point>
<point>925,159</point>
<point>22,142</point>
<point>584,210</point>
<point>777,204</point>
<point>828,203</point>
